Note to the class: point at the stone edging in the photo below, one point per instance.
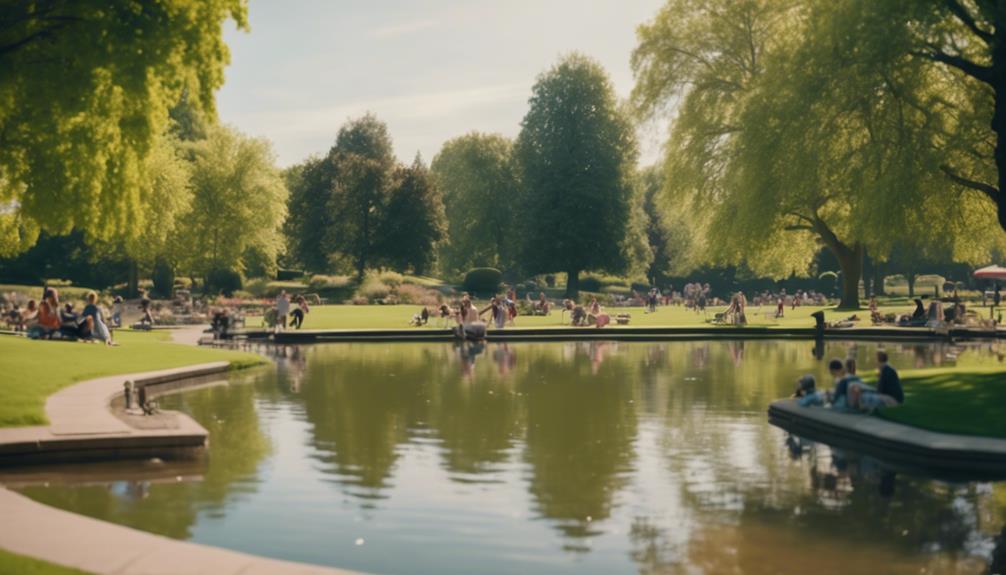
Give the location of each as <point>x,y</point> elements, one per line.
<point>82,426</point>
<point>103,548</point>
<point>942,454</point>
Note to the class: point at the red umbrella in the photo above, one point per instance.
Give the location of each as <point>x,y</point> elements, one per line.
<point>991,273</point>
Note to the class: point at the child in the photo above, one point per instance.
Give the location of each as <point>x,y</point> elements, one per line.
<point>807,394</point>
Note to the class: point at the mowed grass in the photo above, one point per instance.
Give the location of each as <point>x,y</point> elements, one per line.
<point>968,402</point>
<point>32,370</point>
<point>399,316</point>
<point>19,564</point>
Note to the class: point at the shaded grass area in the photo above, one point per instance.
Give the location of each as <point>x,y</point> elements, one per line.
<point>967,402</point>
<point>398,316</point>
<point>31,370</point>
<point>21,565</point>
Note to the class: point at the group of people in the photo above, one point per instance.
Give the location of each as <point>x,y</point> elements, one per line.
<point>51,319</point>
<point>284,312</point>
<point>850,393</point>
<point>782,300</point>
<point>591,315</point>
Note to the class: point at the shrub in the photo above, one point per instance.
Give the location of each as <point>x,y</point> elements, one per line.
<point>373,290</point>
<point>257,287</point>
<point>390,279</point>
<point>590,283</point>
<point>321,282</point>
<point>163,277</point>
<point>417,295</point>
<point>483,280</point>
<point>224,281</point>
<point>289,275</point>
<point>359,300</point>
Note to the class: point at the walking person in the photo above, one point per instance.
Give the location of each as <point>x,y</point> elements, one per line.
<point>298,313</point>
<point>282,310</point>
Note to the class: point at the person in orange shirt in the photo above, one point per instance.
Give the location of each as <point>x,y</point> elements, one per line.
<point>48,315</point>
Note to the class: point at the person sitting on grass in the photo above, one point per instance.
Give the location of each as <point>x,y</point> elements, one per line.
<point>92,311</point>
<point>596,316</point>
<point>419,319</point>
<point>806,392</point>
<point>74,325</point>
<point>29,316</point>
<point>48,316</point>
<point>543,307</point>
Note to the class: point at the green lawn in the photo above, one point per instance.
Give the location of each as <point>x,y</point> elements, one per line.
<point>969,401</point>
<point>21,565</point>
<point>398,316</point>
<point>33,370</point>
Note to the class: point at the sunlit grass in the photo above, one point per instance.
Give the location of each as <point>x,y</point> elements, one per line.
<point>30,370</point>
<point>21,565</point>
<point>970,401</point>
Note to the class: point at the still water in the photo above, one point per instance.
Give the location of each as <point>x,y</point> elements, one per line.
<point>588,457</point>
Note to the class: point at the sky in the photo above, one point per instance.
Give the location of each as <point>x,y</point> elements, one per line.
<point>431,69</point>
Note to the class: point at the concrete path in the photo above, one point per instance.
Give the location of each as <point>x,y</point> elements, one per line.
<point>81,422</point>
<point>941,453</point>
<point>36,530</point>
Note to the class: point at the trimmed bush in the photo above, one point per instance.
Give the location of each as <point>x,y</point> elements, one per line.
<point>390,279</point>
<point>320,282</point>
<point>163,277</point>
<point>289,275</point>
<point>223,281</point>
<point>590,283</point>
<point>373,290</point>
<point>483,280</point>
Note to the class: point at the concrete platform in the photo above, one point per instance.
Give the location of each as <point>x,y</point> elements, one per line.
<point>941,454</point>
<point>83,426</point>
<point>36,530</point>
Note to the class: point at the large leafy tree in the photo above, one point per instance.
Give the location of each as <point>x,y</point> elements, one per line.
<point>238,203</point>
<point>825,136</point>
<point>85,91</point>
<point>480,186</point>
<point>308,220</point>
<point>413,222</point>
<point>577,154</point>
<point>363,166</point>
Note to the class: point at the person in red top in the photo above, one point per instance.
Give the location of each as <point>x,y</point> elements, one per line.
<point>48,314</point>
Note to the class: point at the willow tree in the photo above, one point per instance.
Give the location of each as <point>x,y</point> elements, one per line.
<point>577,154</point>
<point>479,180</point>
<point>830,142</point>
<point>85,91</point>
<point>238,202</point>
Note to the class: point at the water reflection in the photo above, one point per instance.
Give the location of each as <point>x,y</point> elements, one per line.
<point>585,457</point>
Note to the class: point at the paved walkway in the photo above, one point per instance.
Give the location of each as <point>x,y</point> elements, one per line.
<point>36,530</point>
<point>942,453</point>
<point>80,419</point>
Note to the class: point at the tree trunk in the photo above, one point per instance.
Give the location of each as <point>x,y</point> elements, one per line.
<point>910,277</point>
<point>573,284</point>
<point>133,284</point>
<point>851,262</point>
<point>998,82</point>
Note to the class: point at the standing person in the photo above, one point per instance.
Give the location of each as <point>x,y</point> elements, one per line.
<point>146,319</point>
<point>996,299</point>
<point>282,309</point>
<point>117,311</point>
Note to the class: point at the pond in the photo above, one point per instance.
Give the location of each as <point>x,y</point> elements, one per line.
<point>586,457</point>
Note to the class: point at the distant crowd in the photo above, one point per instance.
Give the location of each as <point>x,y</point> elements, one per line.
<point>48,318</point>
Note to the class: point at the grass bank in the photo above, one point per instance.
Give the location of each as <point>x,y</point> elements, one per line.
<point>33,370</point>
<point>971,401</point>
<point>398,316</point>
<point>21,565</point>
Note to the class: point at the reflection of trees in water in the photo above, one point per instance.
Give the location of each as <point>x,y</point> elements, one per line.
<point>170,508</point>
<point>580,433</point>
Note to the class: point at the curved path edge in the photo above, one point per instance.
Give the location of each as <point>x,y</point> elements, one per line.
<point>103,548</point>
<point>944,454</point>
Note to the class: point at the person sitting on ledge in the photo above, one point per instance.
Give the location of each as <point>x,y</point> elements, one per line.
<point>807,394</point>
<point>840,395</point>
<point>888,392</point>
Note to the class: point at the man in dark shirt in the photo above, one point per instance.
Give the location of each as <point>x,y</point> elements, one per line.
<point>889,383</point>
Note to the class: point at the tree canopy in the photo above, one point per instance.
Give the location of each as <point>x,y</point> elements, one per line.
<point>480,187</point>
<point>85,91</point>
<point>577,154</point>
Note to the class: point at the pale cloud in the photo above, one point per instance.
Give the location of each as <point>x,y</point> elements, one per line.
<point>400,29</point>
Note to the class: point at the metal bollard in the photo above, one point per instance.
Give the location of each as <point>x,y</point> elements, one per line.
<point>141,395</point>
<point>128,392</point>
